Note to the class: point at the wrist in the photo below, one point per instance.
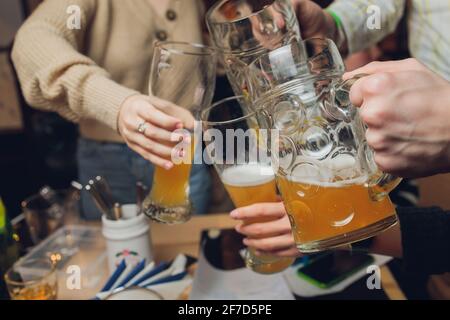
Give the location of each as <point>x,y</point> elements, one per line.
<point>336,31</point>
<point>125,102</point>
<point>331,27</point>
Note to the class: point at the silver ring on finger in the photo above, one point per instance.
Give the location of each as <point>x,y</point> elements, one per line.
<point>142,127</point>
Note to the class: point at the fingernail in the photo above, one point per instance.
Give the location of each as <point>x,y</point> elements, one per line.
<point>234,214</point>
<point>179,138</point>
<point>245,241</point>
<point>187,139</point>
<point>179,125</point>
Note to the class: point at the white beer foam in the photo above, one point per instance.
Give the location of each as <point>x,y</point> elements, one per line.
<point>337,184</point>
<point>325,173</point>
<point>248,175</point>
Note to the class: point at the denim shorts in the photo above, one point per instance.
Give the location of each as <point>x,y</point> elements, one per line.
<point>122,168</point>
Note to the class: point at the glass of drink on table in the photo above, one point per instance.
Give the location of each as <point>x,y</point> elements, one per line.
<point>237,148</point>
<point>184,74</point>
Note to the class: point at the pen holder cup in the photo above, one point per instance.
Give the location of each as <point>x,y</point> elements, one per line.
<point>128,238</point>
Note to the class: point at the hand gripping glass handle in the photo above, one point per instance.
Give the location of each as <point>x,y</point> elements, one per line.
<point>379,182</point>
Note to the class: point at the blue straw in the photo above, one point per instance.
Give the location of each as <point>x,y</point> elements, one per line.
<point>167,279</point>
<point>120,268</point>
<point>138,268</point>
<point>161,267</point>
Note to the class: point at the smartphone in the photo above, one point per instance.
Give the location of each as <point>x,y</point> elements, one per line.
<point>327,270</point>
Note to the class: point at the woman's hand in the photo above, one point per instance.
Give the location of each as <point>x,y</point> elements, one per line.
<point>314,21</point>
<point>158,121</point>
<point>406,108</point>
<point>271,237</point>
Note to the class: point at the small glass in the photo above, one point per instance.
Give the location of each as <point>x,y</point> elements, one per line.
<point>332,189</point>
<point>32,280</point>
<point>184,74</point>
<point>45,214</point>
<point>237,148</point>
<point>242,30</point>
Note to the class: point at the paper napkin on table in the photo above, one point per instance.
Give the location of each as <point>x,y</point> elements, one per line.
<point>168,279</point>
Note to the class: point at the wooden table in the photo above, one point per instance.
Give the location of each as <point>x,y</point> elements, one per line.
<point>169,241</point>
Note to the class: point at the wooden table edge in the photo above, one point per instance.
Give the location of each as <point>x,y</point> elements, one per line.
<point>222,221</point>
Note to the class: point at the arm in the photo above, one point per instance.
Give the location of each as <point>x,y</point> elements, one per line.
<point>55,75</point>
<point>354,17</point>
<point>359,22</point>
<point>406,109</point>
<point>388,243</point>
<point>422,239</point>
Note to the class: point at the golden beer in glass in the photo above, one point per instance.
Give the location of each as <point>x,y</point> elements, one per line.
<point>318,212</point>
<point>34,279</point>
<point>183,74</point>
<point>246,186</point>
<point>330,184</point>
<point>166,192</point>
<point>168,201</point>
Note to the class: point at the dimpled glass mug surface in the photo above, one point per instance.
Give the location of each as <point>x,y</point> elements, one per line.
<point>332,189</point>
<point>241,30</point>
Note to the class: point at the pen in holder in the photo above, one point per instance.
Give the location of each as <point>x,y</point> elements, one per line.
<point>127,238</point>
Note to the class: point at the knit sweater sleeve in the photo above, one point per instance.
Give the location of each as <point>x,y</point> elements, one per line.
<point>425,239</point>
<point>55,75</point>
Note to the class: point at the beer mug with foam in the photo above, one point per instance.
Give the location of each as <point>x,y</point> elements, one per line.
<point>237,148</point>
<point>332,189</point>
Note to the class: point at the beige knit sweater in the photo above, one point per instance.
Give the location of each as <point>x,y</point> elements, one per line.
<point>86,74</point>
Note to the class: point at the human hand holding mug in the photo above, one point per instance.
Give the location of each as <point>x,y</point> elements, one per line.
<point>147,125</point>
<point>272,237</point>
<point>405,107</point>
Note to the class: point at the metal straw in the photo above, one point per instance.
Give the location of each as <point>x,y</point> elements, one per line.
<point>141,192</point>
<point>99,201</point>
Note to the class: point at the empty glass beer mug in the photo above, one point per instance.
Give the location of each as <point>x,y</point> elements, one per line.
<point>331,187</point>
<point>241,30</point>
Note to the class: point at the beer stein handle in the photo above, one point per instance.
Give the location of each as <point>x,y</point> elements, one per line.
<point>379,182</point>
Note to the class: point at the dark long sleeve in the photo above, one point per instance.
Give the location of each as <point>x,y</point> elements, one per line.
<point>425,239</point>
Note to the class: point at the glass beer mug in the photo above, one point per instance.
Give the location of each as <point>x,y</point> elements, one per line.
<point>237,148</point>
<point>331,187</point>
<point>241,30</point>
<point>184,74</point>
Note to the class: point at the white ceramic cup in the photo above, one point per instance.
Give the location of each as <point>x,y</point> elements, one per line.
<point>128,238</point>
